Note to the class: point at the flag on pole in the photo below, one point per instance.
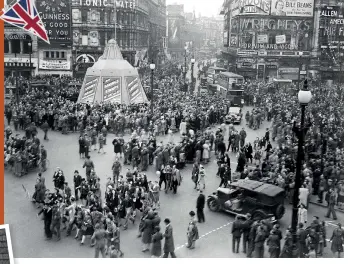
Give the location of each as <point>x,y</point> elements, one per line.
<point>23,14</point>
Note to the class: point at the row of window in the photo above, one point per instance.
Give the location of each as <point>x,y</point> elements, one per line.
<point>14,46</point>
<point>54,54</point>
<point>109,17</point>
<point>124,39</point>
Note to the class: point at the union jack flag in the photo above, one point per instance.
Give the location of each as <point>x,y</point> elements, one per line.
<point>24,15</point>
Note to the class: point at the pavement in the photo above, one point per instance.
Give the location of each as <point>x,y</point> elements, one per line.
<point>27,230</point>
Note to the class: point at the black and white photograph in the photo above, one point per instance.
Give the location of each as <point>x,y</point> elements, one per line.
<point>6,255</point>
<point>173,129</point>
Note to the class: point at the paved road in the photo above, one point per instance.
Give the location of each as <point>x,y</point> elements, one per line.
<point>27,230</point>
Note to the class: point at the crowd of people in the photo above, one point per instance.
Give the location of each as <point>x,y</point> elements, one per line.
<point>100,216</point>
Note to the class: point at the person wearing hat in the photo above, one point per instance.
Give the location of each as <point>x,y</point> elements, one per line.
<point>84,189</point>
<point>200,207</point>
<point>192,231</point>
<point>168,246</point>
<point>116,169</point>
<point>201,177</point>
<point>273,243</point>
<point>331,204</point>
<point>156,249</point>
<point>77,183</point>
<point>246,226</point>
<point>337,240</point>
<point>236,232</point>
<point>43,159</point>
<point>89,165</point>
<point>147,231</point>
<point>47,215</point>
<point>45,128</point>
<point>56,220</point>
<point>99,236</point>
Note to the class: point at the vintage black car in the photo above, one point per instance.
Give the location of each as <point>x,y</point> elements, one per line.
<point>261,200</point>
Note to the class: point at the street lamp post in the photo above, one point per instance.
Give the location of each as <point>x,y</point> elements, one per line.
<point>152,67</point>
<point>299,71</point>
<point>30,51</point>
<point>17,84</point>
<point>185,68</point>
<point>304,97</point>
<point>192,66</point>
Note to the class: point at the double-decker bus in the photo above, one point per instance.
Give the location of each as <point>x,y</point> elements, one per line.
<point>212,75</point>
<point>230,86</point>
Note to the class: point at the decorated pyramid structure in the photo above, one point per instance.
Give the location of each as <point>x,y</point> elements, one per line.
<point>112,80</point>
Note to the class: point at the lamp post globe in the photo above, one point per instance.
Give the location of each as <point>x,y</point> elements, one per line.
<point>304,97</point>
<point>193,61</point>
<point>152,67</point>
<point>30,52</point>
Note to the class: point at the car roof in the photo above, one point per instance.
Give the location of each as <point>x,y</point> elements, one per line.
<point>260,187</point>
<point>234,109</point>
<point>232,75</point>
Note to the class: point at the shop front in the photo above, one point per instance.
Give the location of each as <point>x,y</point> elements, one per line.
<point>20,66</point>
<point>289,73</point>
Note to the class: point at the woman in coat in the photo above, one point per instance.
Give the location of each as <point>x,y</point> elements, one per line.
<point>337,240</point>
<point>206,152</point>
<point>302,215</point>
<point>147,230</point>
<point>201,177</point>
<point>156,250</point>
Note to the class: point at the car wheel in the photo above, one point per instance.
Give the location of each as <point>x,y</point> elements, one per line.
<point>280,211</point>
<point>213,204</point>
<point>260,214</point>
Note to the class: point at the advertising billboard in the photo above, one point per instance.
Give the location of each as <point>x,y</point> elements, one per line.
<point>250,7</point>
<point>280,39</point>
<point>268,24</point>
<point>56,15</point>
<point>295,8</point>
<point>174,33</point>
<point>331,23</point>
<point>263,39</point>
<point>331,37</point>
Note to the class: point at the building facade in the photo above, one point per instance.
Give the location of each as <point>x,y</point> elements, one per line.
<point>176,30</point>
<point>20,51</point>
<point>55,58</point>
<point>157,31</point>
<point>96,22</point>
<point>266,39</point>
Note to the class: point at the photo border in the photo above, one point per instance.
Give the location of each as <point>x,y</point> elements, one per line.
<point>9,242</point>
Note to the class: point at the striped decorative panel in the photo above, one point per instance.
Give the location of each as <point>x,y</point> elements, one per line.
<point>112,89</point>
<point>133,88</point>
<point>91,84</point>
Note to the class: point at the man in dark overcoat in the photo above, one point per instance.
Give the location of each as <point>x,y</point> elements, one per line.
<point>169,240</point>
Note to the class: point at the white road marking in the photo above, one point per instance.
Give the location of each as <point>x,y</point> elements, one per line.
<point>331,224</point>
<point>177,248</point>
